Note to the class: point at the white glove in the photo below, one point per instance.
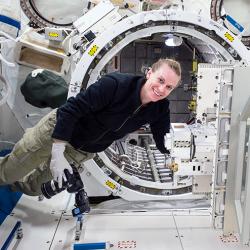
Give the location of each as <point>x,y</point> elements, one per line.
<point>168,160</point>
<point>59,163</point>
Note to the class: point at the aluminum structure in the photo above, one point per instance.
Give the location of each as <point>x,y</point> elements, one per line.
<point>138,172</point>
<point>203,155</point>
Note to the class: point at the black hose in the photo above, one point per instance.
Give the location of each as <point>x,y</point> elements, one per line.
<point>192,148</point>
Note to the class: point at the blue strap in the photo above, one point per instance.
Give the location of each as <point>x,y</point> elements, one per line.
<point>10,21</point>
<point>234,23</point>
<point>11,236</point>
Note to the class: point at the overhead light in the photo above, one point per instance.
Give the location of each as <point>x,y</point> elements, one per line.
<point>173,40</point>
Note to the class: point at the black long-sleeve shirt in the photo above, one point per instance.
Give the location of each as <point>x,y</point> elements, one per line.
<point>108,110</point>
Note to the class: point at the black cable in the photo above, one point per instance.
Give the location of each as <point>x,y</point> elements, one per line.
<point>194,147</point>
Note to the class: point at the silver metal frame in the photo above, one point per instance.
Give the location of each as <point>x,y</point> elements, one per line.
<point>235,211</point>
<point>243,210</point>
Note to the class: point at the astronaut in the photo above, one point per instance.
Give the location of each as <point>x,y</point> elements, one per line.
<point>107,110</point>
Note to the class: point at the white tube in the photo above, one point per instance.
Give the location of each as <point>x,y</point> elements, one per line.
<point>8,91</point>
<point>6,62</point>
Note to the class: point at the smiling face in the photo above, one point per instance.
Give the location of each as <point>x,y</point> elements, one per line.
<point>159,84</point>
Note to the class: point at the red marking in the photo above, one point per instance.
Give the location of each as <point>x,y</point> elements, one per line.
<point>124,244</point>
<point>229,239</point>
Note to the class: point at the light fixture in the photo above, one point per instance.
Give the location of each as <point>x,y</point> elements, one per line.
<point>173,40</point>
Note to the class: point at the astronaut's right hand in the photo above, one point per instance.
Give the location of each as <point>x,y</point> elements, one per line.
<point>58,163</point>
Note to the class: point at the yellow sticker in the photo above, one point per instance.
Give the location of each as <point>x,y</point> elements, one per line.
<point>110,184</point>
<point>53,34</point>
<point>229,37</point>
<point>93,50</point>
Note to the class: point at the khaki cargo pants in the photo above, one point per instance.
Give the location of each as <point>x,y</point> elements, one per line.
<point>27,166</point>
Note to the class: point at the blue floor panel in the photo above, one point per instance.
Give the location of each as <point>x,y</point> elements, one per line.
<point>8,201</point>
